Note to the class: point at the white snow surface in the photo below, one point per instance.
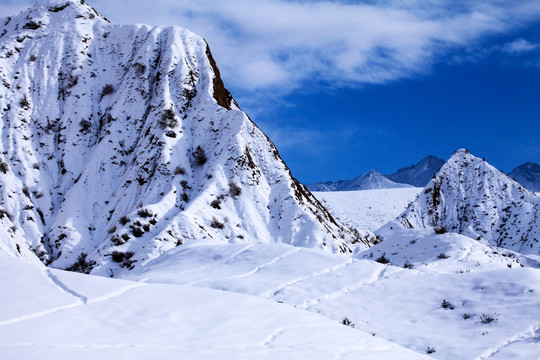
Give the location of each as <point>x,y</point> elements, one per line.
<point>368,209</point>
<point>395,303</point>
<point>100,129</point>
<point>54,314</point>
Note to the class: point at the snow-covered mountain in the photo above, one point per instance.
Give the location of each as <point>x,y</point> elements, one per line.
<point>120,142</point>
<point>418,175</point>
<point>368,181</point>
<point>470,197</point>
<point>528,175</point>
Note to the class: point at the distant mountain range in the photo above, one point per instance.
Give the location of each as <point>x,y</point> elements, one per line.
<point>528,175</point>
<point>419,175</point>
<point>415,175</point>
<point>368,181</point>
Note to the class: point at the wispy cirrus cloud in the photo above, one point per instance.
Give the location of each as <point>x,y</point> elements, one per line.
<point>519,46</point>
<point>278,44</point>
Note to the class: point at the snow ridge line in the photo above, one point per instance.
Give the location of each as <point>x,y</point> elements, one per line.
<point>271,293</point>
<point>531,332</point>
<point>78,303</point>
<point>251,272</point>
<point>39,314</point>
<point>230,258</point>
<point>276,334</point>
<point>281,331</point>
<point>271,262</point>
<point>343,291</point>
<point>233,256</point>
<point>118,293</point>
<point>58,283</point>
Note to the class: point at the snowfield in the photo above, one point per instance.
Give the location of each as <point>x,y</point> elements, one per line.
<point>395,303</point>
<point>368,209</point>
<point>54,314</point>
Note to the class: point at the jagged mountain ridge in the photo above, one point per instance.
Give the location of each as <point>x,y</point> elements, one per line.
<point>528,175</point>
<point>368,181</point>
<point>470,197</point>
<point>122,138</point>
<point>420,174</point>
<point>415,175</point>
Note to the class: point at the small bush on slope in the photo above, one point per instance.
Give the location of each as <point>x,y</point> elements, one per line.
<point>447,305</point>
<point>489,318</point>
<point>234,189</point>
<point>4,167</point>
<point>82,265</point>
<point>107,90</point>
<point>382,259</point>
<point>200,156</point>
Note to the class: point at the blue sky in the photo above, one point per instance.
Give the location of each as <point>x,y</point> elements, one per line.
<point>343,87</point>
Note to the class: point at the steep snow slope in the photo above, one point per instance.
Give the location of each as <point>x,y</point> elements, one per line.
<point>12,242</point>
<point>528,175</point>
<point>471,197</point>
<point>123,138</point>
<point>368,209</point>
<point>395,303</point>
<point>53,314</point>
<point>419,174</point>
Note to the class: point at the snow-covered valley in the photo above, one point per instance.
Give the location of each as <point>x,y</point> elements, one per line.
<point>493,299</point>
<point>281,301</point>
<point>54,314</point>
<point>368,209</point>
<point>126,161</point>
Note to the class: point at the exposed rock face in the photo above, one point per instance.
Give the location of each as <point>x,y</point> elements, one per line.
<point>471,197</point>
<point>121,142</point>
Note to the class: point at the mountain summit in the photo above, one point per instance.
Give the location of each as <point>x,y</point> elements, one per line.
<point>470,197</point>
<point>368,181</point>
<point>120,142</point>
<point>528,175</point>
<point>418,175</point>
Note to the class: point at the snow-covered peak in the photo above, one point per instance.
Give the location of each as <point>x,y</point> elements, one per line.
<point>528,175</point>
<point>46,14</point>
<point>373,180</point>
<point>471,197</point>
<point>419,174</point>
<point>369,181</point>
<point>121,142</point>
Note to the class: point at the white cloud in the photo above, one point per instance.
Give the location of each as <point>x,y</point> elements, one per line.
<point>519,46</point>
<point>279,44</point>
